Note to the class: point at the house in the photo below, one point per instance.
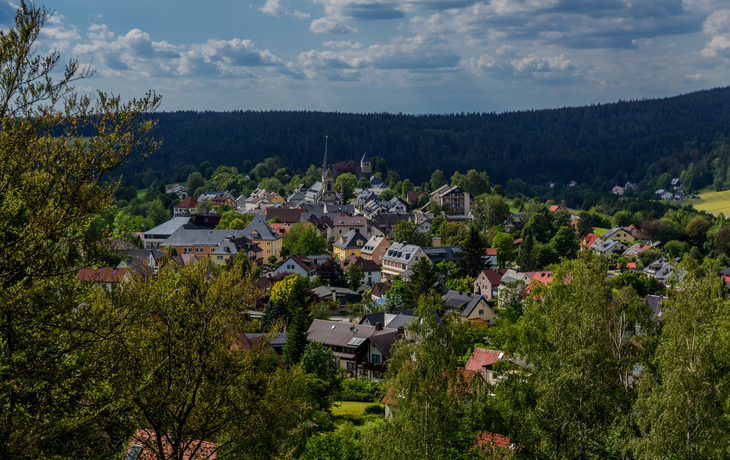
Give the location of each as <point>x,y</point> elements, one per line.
<point>458,201</point>
<point>379,290</point>
<point>188,205</point>
<point>659,270</point>
<point>401,257</point>
<point>574,221</point>
<point>298,195</point>
<point>667,195</point>
<point>555,207</point>
<point>339,208</point>
<point>180,190</point>
<point>654,302</point>
<point>423,221</point>
<point>491,256</point>
<point>370,269</point>
<point>274,198</point>
<point>350,243</point>
<point>143,261</point>
<point>413,197</point>
<point>619,233</point>
<point>385,222</point>
<point>203,243</point>
<point>440,254</point>
<point>572,183</point>
<point>362,350</point>
<point>107,277</point>
<point>636,249</point>
<point>609,247</point>
<point>469,307</point>
<point>397,204</point>
<point>487,282</point>
<point>342,225</point>
<point>268,240</point>
<point>297,263</point>
<point>289,216</point>
<point>375,249</point>
<point>676,183</point>
<point>324,225</point>
<point>483,360</point>
<point>617,190</point>
<point>514,222</point>
<point>551,184</point>
<point>588,240</point>
<point>336,294</point>
<point>218,198</point>
<point>154,237</point>
<point>143,446</point>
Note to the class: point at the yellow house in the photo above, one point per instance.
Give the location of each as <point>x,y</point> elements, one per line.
<point>619,233</point>
<point>268,240</point>
<point>350,243</point>
<point>470,307</point>
<point>275,198</point>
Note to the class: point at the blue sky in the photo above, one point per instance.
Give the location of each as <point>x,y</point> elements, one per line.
<point>411,56</point>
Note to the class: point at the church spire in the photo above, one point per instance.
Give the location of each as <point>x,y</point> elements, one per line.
<point>327,166</point>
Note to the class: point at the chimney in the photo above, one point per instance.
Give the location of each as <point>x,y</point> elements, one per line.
<point>378,326</point>
<point>388,310</point>
<point>436,242</point>
<point>401,331</point>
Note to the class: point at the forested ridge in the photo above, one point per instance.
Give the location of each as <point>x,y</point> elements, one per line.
<point>591,144</point>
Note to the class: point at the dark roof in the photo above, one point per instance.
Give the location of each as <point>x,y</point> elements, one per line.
<point>462,301</point>
<point>494,276</point>
<point>287,215</point>
<point>443,253</point>
<point>379,289</point>
<point>365,158</point>
<point>350,239</point>
<point>335,333</point>
<point>259,230</point>
<point>367,265</point>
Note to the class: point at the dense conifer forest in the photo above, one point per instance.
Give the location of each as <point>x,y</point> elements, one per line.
<point>597,145</point>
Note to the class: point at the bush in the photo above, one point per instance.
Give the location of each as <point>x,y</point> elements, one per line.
<point>373,409</point>
<point>359,390</point>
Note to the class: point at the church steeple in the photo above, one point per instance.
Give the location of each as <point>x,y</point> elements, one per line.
<point>328,177</point>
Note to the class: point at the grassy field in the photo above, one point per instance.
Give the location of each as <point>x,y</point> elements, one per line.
<point>600,231</point>
<point>712,201</point>
<point>349,407</point>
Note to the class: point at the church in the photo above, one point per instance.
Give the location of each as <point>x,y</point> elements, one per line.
<point>324,191</point>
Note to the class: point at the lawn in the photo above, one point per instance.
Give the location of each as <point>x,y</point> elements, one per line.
<point>600,231</point>
<point>349,407</point>
<point>712,201</point>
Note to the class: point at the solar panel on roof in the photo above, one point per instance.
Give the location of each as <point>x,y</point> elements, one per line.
<point>356,341</point>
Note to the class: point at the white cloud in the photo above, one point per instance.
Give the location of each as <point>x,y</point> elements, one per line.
<point>274,8</point>
<point>331,25</point>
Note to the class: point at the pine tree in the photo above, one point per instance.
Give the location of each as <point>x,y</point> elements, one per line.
<point>296,339</point>
<point>526,260</point>
<point>472,258</point>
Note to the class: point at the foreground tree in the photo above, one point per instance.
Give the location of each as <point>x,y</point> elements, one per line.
<point>568,399</point>
<point>682,408</point>
<point>180,370</point>
<point>50,184</point>
<point>432,394</point>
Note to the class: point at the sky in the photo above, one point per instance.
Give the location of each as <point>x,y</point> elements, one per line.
<point>410,56</point>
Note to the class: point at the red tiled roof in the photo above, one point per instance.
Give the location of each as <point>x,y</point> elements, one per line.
<point>588,240</point>
<point>491,251</point>
<point>498,440</point>
<point>187,202</point>
<point>482,357</point>
<point>101,274</point>
<point>143,438</point>
<point>518,241</point>
<point>631,265</point>
<point>494,276</point>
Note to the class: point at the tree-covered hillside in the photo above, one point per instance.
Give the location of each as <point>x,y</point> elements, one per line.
<point>625,140</point>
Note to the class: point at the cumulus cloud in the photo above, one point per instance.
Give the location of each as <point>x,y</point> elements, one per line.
<point>717,24</point>
<point>276,9</point>
<point>331,25</point>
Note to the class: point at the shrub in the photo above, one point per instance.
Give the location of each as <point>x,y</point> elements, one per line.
<point>373,409</point>
<point>359,390</point>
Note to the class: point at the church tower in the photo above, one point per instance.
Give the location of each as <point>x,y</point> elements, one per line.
<point>365,167</point>
<point>329,194</point>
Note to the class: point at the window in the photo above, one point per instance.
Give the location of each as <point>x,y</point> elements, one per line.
<point>350,366</point>
<point>481,312</point>
<point>268,251</point>
<point>220,257</point>
<point>377,359</point>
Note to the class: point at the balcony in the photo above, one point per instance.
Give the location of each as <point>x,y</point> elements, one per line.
<point>379,367</point>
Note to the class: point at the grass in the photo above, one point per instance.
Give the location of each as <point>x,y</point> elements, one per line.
<point>349,407</point>
<point>600,231</point>
<point>712,201</point>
